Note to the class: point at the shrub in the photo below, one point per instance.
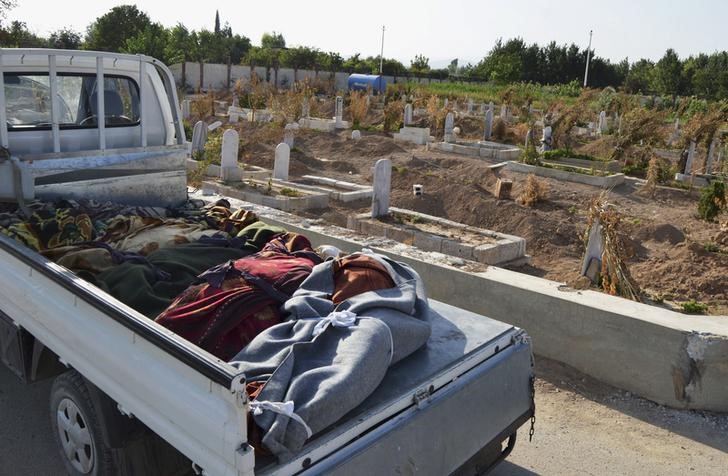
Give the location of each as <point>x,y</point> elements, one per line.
<point>694,307</point>
<point>499,128</point>
<point>712,201</point>
<point>393,115</point>
<point>533,192</point>
<point>213,147</point>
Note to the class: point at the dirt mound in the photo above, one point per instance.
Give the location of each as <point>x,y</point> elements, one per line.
<point>667,233</point>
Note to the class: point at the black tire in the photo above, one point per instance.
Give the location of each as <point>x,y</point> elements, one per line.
<point>76,428</point>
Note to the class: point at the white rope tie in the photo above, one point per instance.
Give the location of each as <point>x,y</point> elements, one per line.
<point>282,408</point>
<point>336,319</point>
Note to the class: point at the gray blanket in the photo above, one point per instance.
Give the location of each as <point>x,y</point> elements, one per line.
<point>327,359</point>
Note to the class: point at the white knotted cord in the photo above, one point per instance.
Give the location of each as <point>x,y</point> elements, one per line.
<point>336,319</point>
<point>282,408</point>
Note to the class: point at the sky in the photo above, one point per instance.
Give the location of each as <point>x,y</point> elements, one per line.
<point>439,29</point>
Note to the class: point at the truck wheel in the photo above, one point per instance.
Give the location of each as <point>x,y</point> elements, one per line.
<point>76,427</point>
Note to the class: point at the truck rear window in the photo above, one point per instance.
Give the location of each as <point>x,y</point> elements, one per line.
<point>28,101</point>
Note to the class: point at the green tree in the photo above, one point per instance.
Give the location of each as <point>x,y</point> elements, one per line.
<point>420,64</point>
<point>18,36</point>
<point>639,77</point>
<point>6,5</point>
<point>300,57</point>
<point>65,39</point>
<point>110,31</point>
<point>667,74</point>
<point>217,21</point>
<point>272,40</point>
<point>152,41</point>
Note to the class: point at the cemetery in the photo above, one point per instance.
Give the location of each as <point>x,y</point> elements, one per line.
<point>468,178</point>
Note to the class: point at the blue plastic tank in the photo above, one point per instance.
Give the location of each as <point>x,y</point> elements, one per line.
<point>360,82</point>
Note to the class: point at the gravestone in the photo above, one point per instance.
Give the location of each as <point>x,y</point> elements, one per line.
<point>229,155</point>
<point>445,104</point>
<point>280,166</point>
<point>592,262</point>
<point>470,106</point>
<point>691,158</point>
<point>199,137</point>
<point>504,113</point>
<point>483,108</point>
<point>339,117</point>
<point>214,126</point>
<point>355,134</point>
<point>529,138</point>
<point>546,139</point>
<point>235,101</point>
<point>382,187</point>
<point>407,115</point>
<point>449,124</point>
<point>602,123</point>
<point>186,104</point>
<point>488,123</point>
<point>711,156</point>
<point>289,134</point>
<point>503,189</point>
<point>305,108</point>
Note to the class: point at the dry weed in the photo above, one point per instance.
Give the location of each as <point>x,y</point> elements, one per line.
<point>393,115</point>
<point>533,192</point>
<point>358,108</point>
<point>615,276</point>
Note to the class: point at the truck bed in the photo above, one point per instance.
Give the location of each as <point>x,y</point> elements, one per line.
<point>473,376</point>
<point>472,368</point>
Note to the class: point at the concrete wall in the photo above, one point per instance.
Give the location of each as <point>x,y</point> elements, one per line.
<point>215,76</point>
<point>670,358</point>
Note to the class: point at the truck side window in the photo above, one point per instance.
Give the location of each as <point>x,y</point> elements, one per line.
<point>28,102</point>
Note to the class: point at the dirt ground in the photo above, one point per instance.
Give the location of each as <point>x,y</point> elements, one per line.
<point>674,256</point>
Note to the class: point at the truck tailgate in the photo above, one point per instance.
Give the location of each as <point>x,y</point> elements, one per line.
<point>469,386</point>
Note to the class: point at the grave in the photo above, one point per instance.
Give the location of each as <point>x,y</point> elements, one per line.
<point>271,193</point>
<point>415,135</point>
<point>482,149</point>
<point>336,189</point>
<point>244,172</point>
<point>229,170</point>
<point>282,159</point>
<point>430,233</point>
<point>569,174</point>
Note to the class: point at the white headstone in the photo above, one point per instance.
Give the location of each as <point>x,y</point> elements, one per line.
<point>711,156</point>
<point>470,106</point>
<point>407,114</point>
<point>214,126</point>
<point>305,108</point>
<point>229,156</point>
<point>546,138</point>
<point>339,110</point>
<point>233,115</point>
<point>445,103</point>
<point>529,137</point>
<point>355,134</point>
<point>483,108</point>
<point>602,123</point>
<point>280,166</point>
<point>594,251</point>
<point>288,137</point>
<point>504,113</point>
<point>449,124</point>
<point>382,187</point>
<point>488,124</point>
<point>186,104</point>
<point>235,101</point>
<point>691,158</point>
<point>199,137</point>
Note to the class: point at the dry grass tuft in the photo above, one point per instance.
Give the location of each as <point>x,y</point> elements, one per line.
<point>499,128</point>
<point>358,108</point>
<point>393,115</point>
<point>533,192</point>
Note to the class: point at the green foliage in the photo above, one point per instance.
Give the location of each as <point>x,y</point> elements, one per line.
<point>420,64</point>
<point>694,307</point>
<point>65,39</point>
<point>18,36</point>
<point>711,247</point>
<point>289,192</point>
<point>556,154</point>
<point>152,41</point>
<point>712,201</point>
<point>667,73</point>
<point>272,40</point>
<point>110,31</point>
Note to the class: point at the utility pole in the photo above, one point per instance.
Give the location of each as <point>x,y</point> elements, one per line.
<point>381,55</point>
<point>588,54</point>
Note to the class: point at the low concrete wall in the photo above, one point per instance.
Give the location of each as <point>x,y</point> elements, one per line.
<point>670,358</point>
<point>611,166</point>
<point>604,182</point>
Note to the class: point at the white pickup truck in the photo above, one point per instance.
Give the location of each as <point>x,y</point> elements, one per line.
<point>451,407</point>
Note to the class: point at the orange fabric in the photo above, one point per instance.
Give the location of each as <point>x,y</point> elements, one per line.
<point>358,274</point>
